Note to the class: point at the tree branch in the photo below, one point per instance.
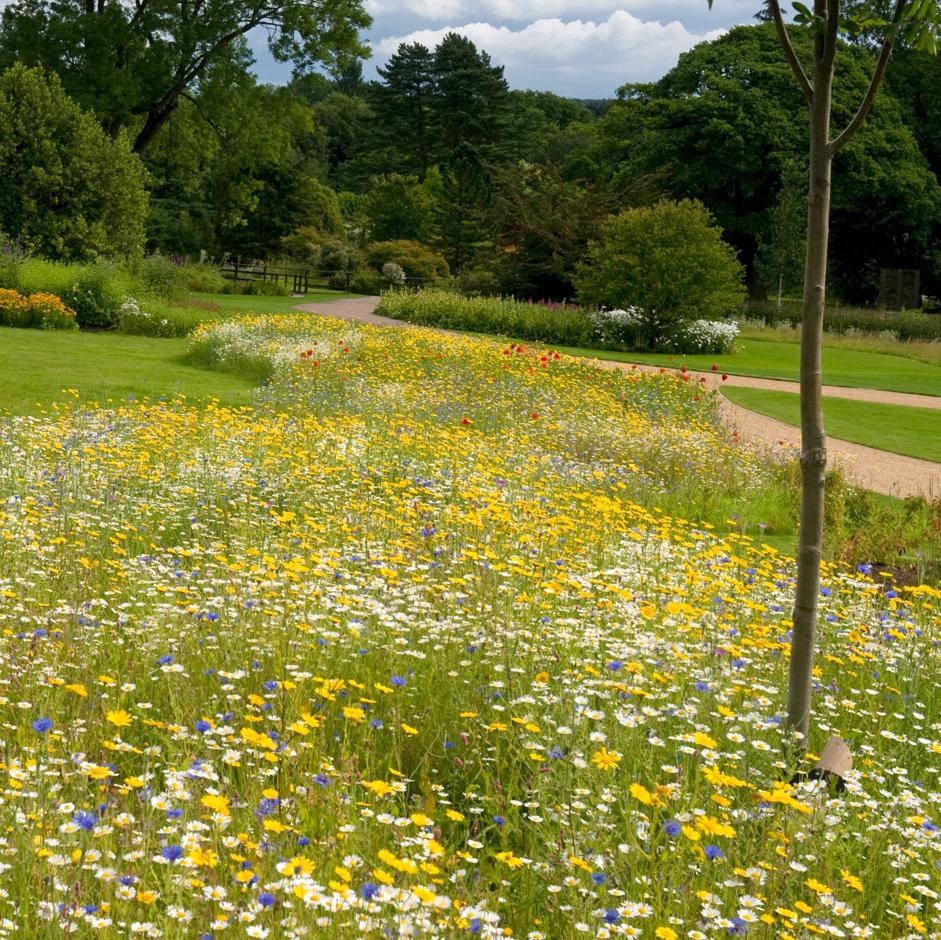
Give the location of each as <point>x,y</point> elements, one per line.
<point>841,141</point>
<point>806,87</point>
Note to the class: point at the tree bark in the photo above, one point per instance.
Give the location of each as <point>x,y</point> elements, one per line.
<point>813,458</point>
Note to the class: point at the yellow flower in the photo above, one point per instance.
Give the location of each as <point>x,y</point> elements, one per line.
<point>665,933</point>
<point>510,860</point>
<point>379,787</point>
<point>217,803</point>
<point>851,881</point>
<point>712,827</point>
<point>703,740</point>
<point>818,886</point>
<point>641,793</point>
<point>203,858</point>
<point>408,729</point>
<point>605,759</point>
<point>120,718</point>
<point>98,773</point>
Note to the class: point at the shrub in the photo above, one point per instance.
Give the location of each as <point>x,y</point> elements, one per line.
<point>669,263</point>
<point>132,318</point>
<point>67,187</point>
<point>13,252</point>
<point>416,260</point>
<point>393,273</point>
<point>160,275</point>
<point>95,296</point>
<point>50,313</point>
<point>626,329</point>
<point>37,311</point>
<point>364,281</point>
<point>203,279</point>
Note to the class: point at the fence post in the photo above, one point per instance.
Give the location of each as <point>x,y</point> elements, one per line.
<point>235,280</point>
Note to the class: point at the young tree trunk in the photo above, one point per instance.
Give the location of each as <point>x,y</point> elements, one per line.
<point>813,458</point>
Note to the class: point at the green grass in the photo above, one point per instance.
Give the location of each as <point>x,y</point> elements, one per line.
<point>37,365</point>
<point>244,303</point>
<point>774,360</point>
<point>915,432</point>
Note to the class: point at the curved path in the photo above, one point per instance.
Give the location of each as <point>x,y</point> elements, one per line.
<point>877,470</point>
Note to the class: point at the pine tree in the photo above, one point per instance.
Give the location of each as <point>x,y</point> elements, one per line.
<point>403,105</point>
<point>471,102</point>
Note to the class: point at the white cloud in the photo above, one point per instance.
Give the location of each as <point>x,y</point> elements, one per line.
<point>570,56</point>
<point>526,10</point>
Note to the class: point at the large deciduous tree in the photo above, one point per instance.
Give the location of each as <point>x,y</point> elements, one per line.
<point>66,187</point>
<point>724,125</point>
<point>131,61</point>
<point>920,22</point>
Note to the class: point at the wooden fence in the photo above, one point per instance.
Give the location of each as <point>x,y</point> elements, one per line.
<point>299,280</point>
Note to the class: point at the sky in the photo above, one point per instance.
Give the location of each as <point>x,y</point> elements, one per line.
<point>577,48</point>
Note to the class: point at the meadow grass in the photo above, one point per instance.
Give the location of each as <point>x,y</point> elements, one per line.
<point>915,432</point>
<point>422,645</point>
<point>37,365</point>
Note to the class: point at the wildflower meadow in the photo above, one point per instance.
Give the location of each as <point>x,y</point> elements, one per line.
<point>421,645</point>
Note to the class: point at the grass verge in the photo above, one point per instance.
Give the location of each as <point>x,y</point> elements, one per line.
<point>847,368</point>
<point>37,365</point>
<point>914,432</point>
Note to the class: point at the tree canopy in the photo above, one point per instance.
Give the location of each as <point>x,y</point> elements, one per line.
<point>67,189</point>
<point>131,61</point>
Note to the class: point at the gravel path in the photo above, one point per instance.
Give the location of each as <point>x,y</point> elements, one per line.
<point>874,469</point>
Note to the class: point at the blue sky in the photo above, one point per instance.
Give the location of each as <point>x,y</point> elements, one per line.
<point>582,48</point>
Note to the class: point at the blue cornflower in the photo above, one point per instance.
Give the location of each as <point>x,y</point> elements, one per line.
<point>322,780</point>
<point>475,926</point>
<point>556,752</point>
<point>398,681</point>
<point>672,828</point>
<point>702,686</point>
<point>499,820</point>
<point>598,877</point>
<point>172,852</point>
<point>713,852</point>
<point>611,916</point>
<point>266,899</point>
<point>368,890</point>
<point>202,726</point>
<point>42,725</point>
<point>375,723</point>
<point>85,820</point>
<point>615,665</point>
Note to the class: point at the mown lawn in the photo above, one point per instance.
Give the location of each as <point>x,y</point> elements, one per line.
<point>37,366</point>
<point>775,360</point>
<point>915,432</point>
<point>242,303</point>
